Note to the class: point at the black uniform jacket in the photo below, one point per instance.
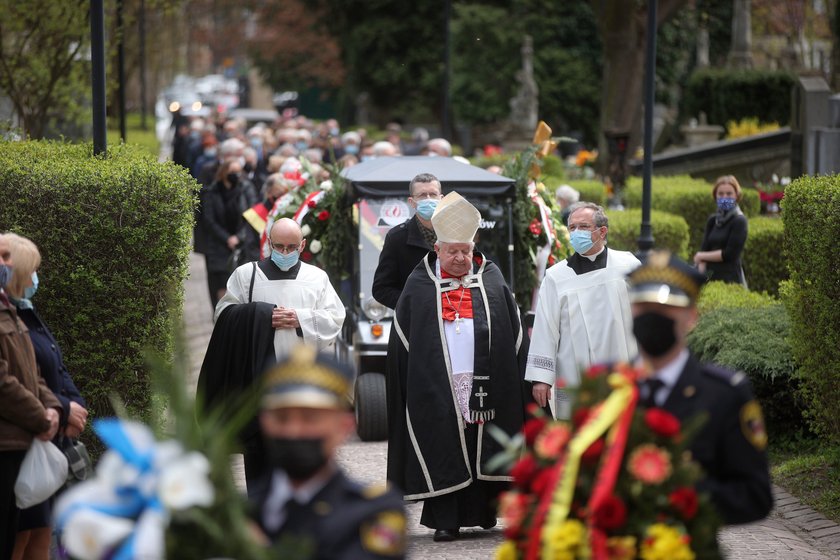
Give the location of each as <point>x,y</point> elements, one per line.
<point>404,247</point>
<point>427,452</point>
<point>730,445</point>
<point>343,521</point>
<point>729,234</point>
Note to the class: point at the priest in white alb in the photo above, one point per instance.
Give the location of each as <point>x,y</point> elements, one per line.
<point>583,311</point>
<point>307,307</point>
<point>456,359</point>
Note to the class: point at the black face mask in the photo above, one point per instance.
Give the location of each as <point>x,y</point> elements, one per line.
<point>300,458</point>
<point>233,178</point>
<point>654,333</point>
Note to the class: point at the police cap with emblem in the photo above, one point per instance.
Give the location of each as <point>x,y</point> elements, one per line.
<point>308,379</point>
<point>666,279</point>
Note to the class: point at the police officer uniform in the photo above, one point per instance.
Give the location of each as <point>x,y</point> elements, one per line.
<point>731,445</point>
<point>331,518</point>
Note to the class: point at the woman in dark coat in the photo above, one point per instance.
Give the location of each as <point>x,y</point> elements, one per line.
<point>33,538</point>
<point>726,232</point>
<point>226,229</point>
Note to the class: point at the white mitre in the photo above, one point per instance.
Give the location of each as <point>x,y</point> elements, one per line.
<point>455,220</point>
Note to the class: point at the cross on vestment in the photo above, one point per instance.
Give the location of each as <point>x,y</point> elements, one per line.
<point>457,323</point>
<point>481,394</point>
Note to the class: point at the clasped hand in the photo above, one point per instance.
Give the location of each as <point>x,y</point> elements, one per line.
<point>284,318</point>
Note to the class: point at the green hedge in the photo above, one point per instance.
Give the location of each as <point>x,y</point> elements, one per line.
<point>114,235</point>
<point>686,197</point>
<point>730,95</point>
<point>591,191</point>
<point>669,231</point>
<point>811,214</point>
<point>754,340</point>
<point>765,265</point>
<point>717,294</point>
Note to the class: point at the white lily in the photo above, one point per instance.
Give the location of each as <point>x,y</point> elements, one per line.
<point>150,535</point>
<point>91,535</point>
<point>326,185</point>
<point>315,247</point>
<point>305,230</point>
<point>184,483</point>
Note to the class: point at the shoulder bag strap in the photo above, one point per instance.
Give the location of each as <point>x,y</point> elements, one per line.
<point>251,289</point>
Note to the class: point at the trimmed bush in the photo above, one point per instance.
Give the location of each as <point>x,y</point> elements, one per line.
<point>669,231</point>
<point>591,191</point>
<point>731,95</point>
<point>690,198</point>
<point>765,265</point>
<point>811,214</point>
<point>114,234</point>
<point>754,340</point>
<point>716,295</point>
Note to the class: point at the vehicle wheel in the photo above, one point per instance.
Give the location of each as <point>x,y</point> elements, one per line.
<point>371,407</point>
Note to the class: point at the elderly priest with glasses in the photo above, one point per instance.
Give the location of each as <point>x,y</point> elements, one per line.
<point>456,360</point>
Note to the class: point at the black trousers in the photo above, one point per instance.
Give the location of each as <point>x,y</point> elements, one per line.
<point>9,467</point>
<point>473,506</point>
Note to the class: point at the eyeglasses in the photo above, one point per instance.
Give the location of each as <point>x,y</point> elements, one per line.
<point>583,227</point>
<point>285,248</point>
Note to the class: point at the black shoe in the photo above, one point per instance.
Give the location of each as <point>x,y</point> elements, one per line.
<point>445,535</point>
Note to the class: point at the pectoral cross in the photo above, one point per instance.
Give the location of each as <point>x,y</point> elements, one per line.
<point>481,393</point>
<point>457,323</point>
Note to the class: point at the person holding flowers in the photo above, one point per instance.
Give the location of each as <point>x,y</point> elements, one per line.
<point>730,445</point>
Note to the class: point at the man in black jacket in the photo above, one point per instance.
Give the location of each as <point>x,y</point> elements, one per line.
<point>731,444</point>
<point>408,242</point>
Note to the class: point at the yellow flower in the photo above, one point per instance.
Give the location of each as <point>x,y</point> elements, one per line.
<point>565,541</point>
<point>506,551</point>
<point>621,548</point>
<point>663,542</point>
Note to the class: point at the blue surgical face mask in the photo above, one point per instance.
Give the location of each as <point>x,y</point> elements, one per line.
<point>284,262</point>
<point>581,240</point>
<point>29,291</point>
<point>351,149</point>
<point>725,204</point>
<point>5,275</point>
<point>301,146</point>
<point>426,207</point>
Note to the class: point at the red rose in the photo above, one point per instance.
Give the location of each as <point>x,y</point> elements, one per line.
<point>523,471</point>
<point>684,502</point>
<point>312,203</point>
<point>593,453</point>
<point>596,371</point>
<point>611,514</point>
<point>580,416</point>
<point>532,429</point>
<point>541,482</point>
<point>662,423</point>
<point>535,227</point>
<point>323,215</point>
<point>306,256</point>
<point>533,409</point>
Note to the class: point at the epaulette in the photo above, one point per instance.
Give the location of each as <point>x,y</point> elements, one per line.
<point>733,378</point>
<point>375,490</point>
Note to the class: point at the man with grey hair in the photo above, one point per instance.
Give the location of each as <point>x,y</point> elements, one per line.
<point>583,311</point>
<point>439,147</point>
<point>408,242</point>
<point>566,196</point>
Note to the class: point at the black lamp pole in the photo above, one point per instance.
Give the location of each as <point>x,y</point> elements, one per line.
<point>645,241</point>
<point>97,75</point>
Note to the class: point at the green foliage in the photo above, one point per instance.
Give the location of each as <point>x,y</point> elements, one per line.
<point>717,294</point>
<point>732,94</point>
<point>755,341</point>
<point>590,191</point>
<point>669,231</point>
<point>41,68</point>
<point>765,265</point>
<point>146,139</point>
<point>114,234</point>
<point>811,213</point>
<point>686,197</point>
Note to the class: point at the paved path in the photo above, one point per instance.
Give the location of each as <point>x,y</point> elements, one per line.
<point>792,532</point>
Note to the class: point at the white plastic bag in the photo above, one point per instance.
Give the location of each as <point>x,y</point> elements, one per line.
<point>43,472</point>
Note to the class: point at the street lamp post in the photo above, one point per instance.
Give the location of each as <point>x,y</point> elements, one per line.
<point>645,241</point>
<point>97,75</point>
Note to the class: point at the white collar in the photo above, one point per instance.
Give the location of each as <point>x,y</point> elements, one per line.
<point>595,256</point>
<point>671,372</point>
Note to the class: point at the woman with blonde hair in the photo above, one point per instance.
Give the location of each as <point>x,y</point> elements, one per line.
<point>33,537</point>
<point>726,233</point>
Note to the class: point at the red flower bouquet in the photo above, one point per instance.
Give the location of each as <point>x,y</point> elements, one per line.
<point>617,482</point>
